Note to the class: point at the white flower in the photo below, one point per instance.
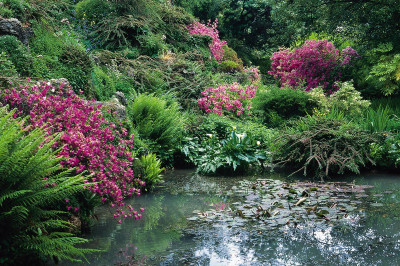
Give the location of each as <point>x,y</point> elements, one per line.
<point>258,143</point>
<point>209,135</point>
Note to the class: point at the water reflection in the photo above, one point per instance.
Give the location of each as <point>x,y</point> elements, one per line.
<point>164,236</point>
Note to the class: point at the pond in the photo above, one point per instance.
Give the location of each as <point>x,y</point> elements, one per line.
<point>194,220</point>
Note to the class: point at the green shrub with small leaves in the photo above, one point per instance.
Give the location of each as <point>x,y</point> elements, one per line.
<point>346,99</point>
<point>274,105</point>
<point>322,147</point>
<point>7,68</point>
<point>17,53</point>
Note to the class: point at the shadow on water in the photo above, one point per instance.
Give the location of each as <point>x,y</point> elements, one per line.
<point>169,235</point>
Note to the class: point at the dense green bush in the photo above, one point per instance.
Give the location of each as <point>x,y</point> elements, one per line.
<point>219,144</point>
<point>157,122</point>
<point>346,99</point>
<point>103,84</point>
<point>76,68</point>
<point>386,153</point>
<point>7,68</point>
<point>15,9</point>
<point>17,53</point>
<point>230,155</point>
<point>320,146</point>
<point>148,168</point>
<point>274,104</point>
<point>32,228</point>
<point>92,11</point>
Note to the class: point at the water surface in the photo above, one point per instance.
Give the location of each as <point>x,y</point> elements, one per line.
<point>165,235</point>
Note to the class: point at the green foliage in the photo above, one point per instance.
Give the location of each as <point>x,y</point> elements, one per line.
<point>60,55</point>
<point>321,147</point>
<point>92,11</point>
<point>231,63</point>
<point>229,66</point>
<point>76,67</point>
<point>386,153</point>
<point>377,120</point>
<point>7,68</point>
<point>152,44</point>
<point>15,9</point>
<point>275,104</point>
<point>17,53</point>
<point>231,155</point>
<point>157,122</point>
<point>387,73</point>
<point>347,100</point>
<point>104,86</point>
<point>216,146</point>
<point>148,168</point>
<point>32,183</point>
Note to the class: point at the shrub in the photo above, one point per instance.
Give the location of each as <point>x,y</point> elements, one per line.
<point>17,53</point>
<point>216,46</point>
<point>346,99</point>
<point>233,154</point>
<point>32,184</point>
<point>386,153</point>
<point>321,147</point>
<point>209,146</point>
<point>276,104</point>
<point>229,66</point>
<point>7,68</point>
<point>77,67</point>
<point>92,11</point>
<point>17,9</point>
<point>231,63</point>
<point>88,142</point>
<point>316,63</point>
<point>228,98</point>
<point>148,168</point>
<point>157,122</point>
<point>104,86</point>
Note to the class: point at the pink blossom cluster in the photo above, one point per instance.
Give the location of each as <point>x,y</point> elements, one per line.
<point>227,98</point>
<point>209,30</point>
<point>87,142</point>
<point>316,63</point>
<point>348,55</point>
<point>254,74</point>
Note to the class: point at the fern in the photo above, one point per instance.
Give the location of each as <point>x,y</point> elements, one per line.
<point>158,122</point>
<point>32,230</point>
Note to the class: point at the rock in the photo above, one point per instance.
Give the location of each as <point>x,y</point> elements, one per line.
<point>14,27</point>
<point>121,98</point>
<point>115,106</point>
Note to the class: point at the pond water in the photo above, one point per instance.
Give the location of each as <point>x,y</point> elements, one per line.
<point>170,234</point>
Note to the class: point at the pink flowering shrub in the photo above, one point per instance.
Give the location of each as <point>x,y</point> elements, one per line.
<point>209,30</point>
<point>316,63</point>
<point>348,55</point>
<point>228,98</point>
<point>87,143</point>
<point>253,74</point>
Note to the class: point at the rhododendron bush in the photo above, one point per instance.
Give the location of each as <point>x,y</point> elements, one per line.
<point>228,98</point>
<point>209,30</point>
<point>87,142</point>
<point>315,64</point>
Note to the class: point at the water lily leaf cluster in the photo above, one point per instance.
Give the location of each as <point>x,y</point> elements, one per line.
<point>274,203</point>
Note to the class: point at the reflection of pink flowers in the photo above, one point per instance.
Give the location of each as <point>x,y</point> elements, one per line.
<point>231,98</point>
<point>209,30</point>
<point>87,140</point>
